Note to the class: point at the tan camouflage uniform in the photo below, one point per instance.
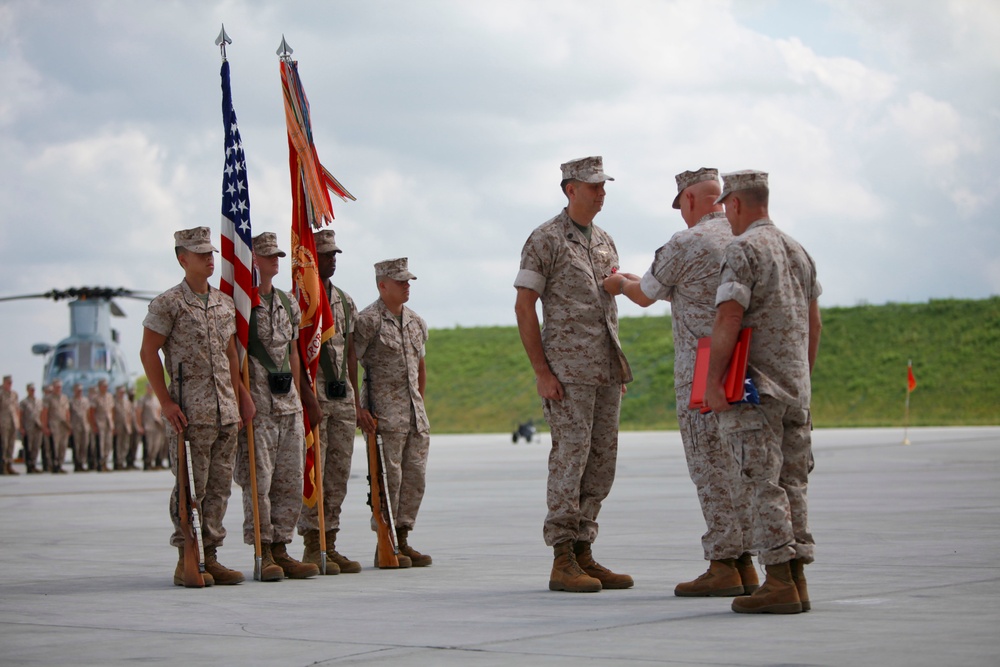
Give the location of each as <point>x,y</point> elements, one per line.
<point>58,406</point>
<point>279,438</point>
<point>155,429</point>
<point>124,418</point>
<point>31,423</point>
<point>10,424</point>
<point>198,337</point>
<point>685,272</point>
<point>338,426</point>
<point>774,279</point>
<point>79,420</point>
<point>580,341</point>
<point>103,407</point>
<point>391,356</point>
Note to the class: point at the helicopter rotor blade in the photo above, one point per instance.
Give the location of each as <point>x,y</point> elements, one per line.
<point>86,293</point>
<point>47,295</point>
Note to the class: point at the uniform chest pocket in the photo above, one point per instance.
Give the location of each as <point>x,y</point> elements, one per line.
<point>415,338</point>
<point>390,338</point>
<point>604,260</point>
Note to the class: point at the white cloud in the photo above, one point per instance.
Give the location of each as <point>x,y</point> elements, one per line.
<point>935,127</point>
<point>846,80</point>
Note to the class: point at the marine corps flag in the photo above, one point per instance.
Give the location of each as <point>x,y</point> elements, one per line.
<point>311,208</point>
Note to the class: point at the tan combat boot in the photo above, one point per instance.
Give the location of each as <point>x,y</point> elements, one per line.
<point>797,567</point>
<point>778,595</point>
<point>566,572</point>
<point>269,570</point>
<point>179,571</point>
<point>293,569</point>
<point>312,554</point>
<point>417,559</point>
<point>346,565</point>
<point>721,580</point>
<point>222,575</point>
<point>748,573</point>
<point>608,579</point>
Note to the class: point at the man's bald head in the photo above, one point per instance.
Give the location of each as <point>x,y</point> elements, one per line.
<point>698,200</point>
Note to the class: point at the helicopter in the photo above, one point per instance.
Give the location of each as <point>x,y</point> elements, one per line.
<point>91,353</point>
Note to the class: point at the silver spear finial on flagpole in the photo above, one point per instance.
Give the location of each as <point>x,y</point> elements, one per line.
<point>284,50</point>
<point>222,40</point>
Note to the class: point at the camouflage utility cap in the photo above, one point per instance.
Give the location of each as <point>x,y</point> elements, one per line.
<point>395,269</point>
<point>325,241</point>
<point>266,245</point>
<point>748,179</point>
<point>586,169</point>
<point>197,240</point>
<point>686,179</point>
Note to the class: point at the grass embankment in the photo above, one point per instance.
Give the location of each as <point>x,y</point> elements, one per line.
<point>480,381</point>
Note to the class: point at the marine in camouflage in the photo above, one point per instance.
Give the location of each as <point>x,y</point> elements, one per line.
<point>685,272</point>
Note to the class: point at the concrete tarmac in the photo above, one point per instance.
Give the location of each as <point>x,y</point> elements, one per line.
<point>907,570</point>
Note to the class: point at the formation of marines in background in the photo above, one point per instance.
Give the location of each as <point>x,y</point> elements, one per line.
<point>103,430</point>
<point>750,460</point>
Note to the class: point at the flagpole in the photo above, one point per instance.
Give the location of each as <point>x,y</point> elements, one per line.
<point>320,519</point>
<point>221,42</point>
<point>258,559</point>
<point>906,419</point>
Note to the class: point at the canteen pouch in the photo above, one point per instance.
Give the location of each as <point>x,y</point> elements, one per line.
<point>336,389</point>
<point>280,383</point>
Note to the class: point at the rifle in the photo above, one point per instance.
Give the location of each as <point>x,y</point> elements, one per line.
<point>194,551</point>
<point>378,494</point>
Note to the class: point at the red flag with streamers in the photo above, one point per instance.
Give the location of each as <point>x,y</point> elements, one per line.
<point>311,208</point>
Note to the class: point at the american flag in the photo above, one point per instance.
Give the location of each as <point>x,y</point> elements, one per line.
<point>239,276</point>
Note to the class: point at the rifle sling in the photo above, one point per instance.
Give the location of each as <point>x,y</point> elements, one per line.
<point>256,349</point>
<point>325,362</point>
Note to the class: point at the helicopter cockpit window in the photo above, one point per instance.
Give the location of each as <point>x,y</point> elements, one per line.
<point>65,358</point>
<point>100,357</point>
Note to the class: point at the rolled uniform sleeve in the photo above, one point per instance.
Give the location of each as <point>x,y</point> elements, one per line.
<point>817,289</point>
<point>534,268</point>
<point>160,318</point>
<point>654,289</point>
<point>736,278</point>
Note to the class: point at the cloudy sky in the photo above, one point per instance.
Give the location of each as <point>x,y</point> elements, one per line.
<point>879,123</point>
